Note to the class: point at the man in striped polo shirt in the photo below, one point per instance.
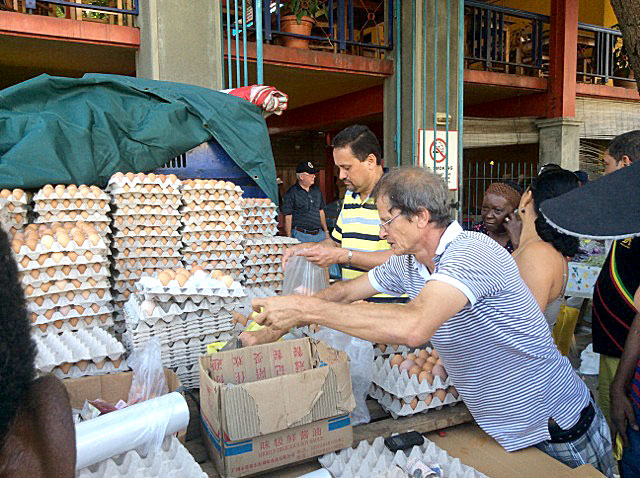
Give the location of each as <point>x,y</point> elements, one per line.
<point>469,300</point>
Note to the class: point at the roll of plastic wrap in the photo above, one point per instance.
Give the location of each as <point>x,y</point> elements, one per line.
<point>143,425</point>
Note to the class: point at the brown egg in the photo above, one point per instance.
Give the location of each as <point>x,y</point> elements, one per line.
<point>59,189</point>
<point>78,238</point>
<point>5,193</point>
<point>164,278</point>
<point>182,279</point>
<point>396,360</point>
<point>227,280</point>
<point>411,357</point>
<point>428,366</point>
<point>119,177</point>
<point>415,370</point>
<point>88,255</point>
<point>422,376</point>
<point>18,193</point>
<point>428,399</point>
<point>47,241</point>
<point>441,394</point>
<point>438,370</point>
<point>423,354</point>
<point>452,390</point>
<point>73,256</point>
<point>217,274</point>
<point>16,244</point>
<point>31,244</point>
<point>420,362</point>
<point>94,238</point>
<point>432,360</point>
<point>413,403</point>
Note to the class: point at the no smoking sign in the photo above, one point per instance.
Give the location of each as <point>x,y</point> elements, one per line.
<point>438,157</point>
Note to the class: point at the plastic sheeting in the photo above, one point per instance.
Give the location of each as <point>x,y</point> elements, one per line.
<point>56,130</point>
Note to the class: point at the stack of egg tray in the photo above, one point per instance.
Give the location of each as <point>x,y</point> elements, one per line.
<point>73,203</point>
<point>256,292</point>
<point>184,319</point>
<point>64,271</point>
<point>260,218</point>
<point>15,211</point>
<point>402,395</point>
<point>146,230</point>
<point>376,460</point>
<point>171,461</point>
<point>212,232</point>
<point>263,261</point>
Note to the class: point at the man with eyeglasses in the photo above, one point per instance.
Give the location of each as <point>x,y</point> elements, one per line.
<point>468,298</point>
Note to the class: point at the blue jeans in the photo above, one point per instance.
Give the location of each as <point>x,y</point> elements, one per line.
<point>334,270</point>
<point>630,463</point>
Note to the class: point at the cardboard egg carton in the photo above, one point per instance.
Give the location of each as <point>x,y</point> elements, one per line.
<point>119,180</point>
<point>99,297</point>
<point>71,325</point>
<point>376,460</point>
<point>70,192</point>
<point>189,375</point>
<point>146,199</point>
<point>186,352</point>
<point>398,407</point>
<point>191,185</point>
<point>260,230</point>
<point>398,382</point>
<point>38,278</point>
<point>15,196</point>
<point>84,369</point>
<point>69,348</point>
<point>161,314</point>
<point>163,222</point>
<point>70,312</point>
<point>121,264</point>
<point>151,289</point>
<point>147,241</point>
<point>63,286</point>
<point>172,460</point>
<point>185,331</point>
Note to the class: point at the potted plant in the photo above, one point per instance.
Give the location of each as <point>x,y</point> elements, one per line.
<point>622,67</point>
<point>298,17</point>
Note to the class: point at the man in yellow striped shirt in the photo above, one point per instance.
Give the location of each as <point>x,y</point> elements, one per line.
<point>355,242</point>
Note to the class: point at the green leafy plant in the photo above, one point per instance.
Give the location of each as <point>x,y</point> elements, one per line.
<point>301,8</point>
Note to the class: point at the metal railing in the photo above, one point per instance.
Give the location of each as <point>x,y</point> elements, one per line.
<point>108,11</point>
<point>504,39</point>
<point>597,48</point>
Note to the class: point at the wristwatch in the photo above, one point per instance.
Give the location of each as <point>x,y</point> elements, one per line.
<point>349,256</point>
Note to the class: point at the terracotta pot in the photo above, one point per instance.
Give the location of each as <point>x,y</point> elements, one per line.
<point>289,24</point>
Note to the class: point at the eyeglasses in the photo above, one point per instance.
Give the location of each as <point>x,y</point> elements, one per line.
<point>385,224</point>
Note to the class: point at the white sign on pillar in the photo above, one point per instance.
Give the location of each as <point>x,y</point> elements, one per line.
<point>434,151</point>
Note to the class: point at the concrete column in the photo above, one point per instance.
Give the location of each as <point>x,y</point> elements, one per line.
<point>417,90</point>
<point>180,41</point>
<point>559,142</point>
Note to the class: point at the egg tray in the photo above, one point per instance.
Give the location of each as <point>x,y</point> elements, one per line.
<point>29,280</point>
<point>40,195</point>
<point>399,384</point>
<point>85,369</point>
<point>141,199</point>
<point>272,268</point>
<point>147,253</point>
<point>259,221</point>
<point>143,333</point>
<point>390,350</point>
<point>72,246</point>
<point>171,222</point>
<point>79,205</point>
<point>132,274</point>
<point>244,306</point>
<point>224,255</point>
<point>216,204</point>
<point>140,321</point>
<point>121,264</point>
<point>263,230</point>
<point>394,406</point>
<point>45,261</point>
<point>89,345</point>
<point>253,280</point>
<point>25,198</point>
<point>189,376</point>
<point>13,209</point>
<point>271,240</point>
<point>156,233</point>
<point>222,264</point>
<point>69,313</point>
<point>205,235</point>
<point>169,311</point>
<point>259,202</point>
<point>158,180</point>
<point>376,460</point>
<point>172,292</point>
<point>192,220</point>
<point>210,184</point>
<point>258,261</point>
<point>71,325</point>
<point>62,287</point>
<point>71,216</point>
<point>270,212</point>
<point>171,461</point>
<point>147,241</point>
<point>49,302</point>
<point>206,248</point>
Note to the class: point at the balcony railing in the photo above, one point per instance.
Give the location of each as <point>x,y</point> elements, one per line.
<point>515,41</point>
<point>117,12</point>
<point>341,26</point>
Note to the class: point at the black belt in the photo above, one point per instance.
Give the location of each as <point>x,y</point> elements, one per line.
<point>307,231</point>
<point>558,435</point>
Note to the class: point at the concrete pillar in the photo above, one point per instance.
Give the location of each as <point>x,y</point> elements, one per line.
<point>417,85</point>
<point>180,41</point>
<point>559,142</point>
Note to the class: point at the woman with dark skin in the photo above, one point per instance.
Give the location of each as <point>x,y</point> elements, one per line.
<point>499,221</point>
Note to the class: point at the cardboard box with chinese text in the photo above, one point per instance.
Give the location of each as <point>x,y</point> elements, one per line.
<point>270,405</point>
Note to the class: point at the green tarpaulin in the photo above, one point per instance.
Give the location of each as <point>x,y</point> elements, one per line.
<point>57,130</point>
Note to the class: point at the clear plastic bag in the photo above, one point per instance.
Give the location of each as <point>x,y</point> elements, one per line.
<point>149,380</point>
<point>360,354</point>
<point>303,277</point>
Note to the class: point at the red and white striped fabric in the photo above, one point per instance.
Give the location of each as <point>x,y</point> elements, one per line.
<point>269,99</point>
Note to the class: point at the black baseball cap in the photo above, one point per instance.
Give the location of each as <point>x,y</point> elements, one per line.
<point>306,167</point>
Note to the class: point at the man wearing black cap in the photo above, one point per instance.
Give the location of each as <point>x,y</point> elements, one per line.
<point>303,207</point>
